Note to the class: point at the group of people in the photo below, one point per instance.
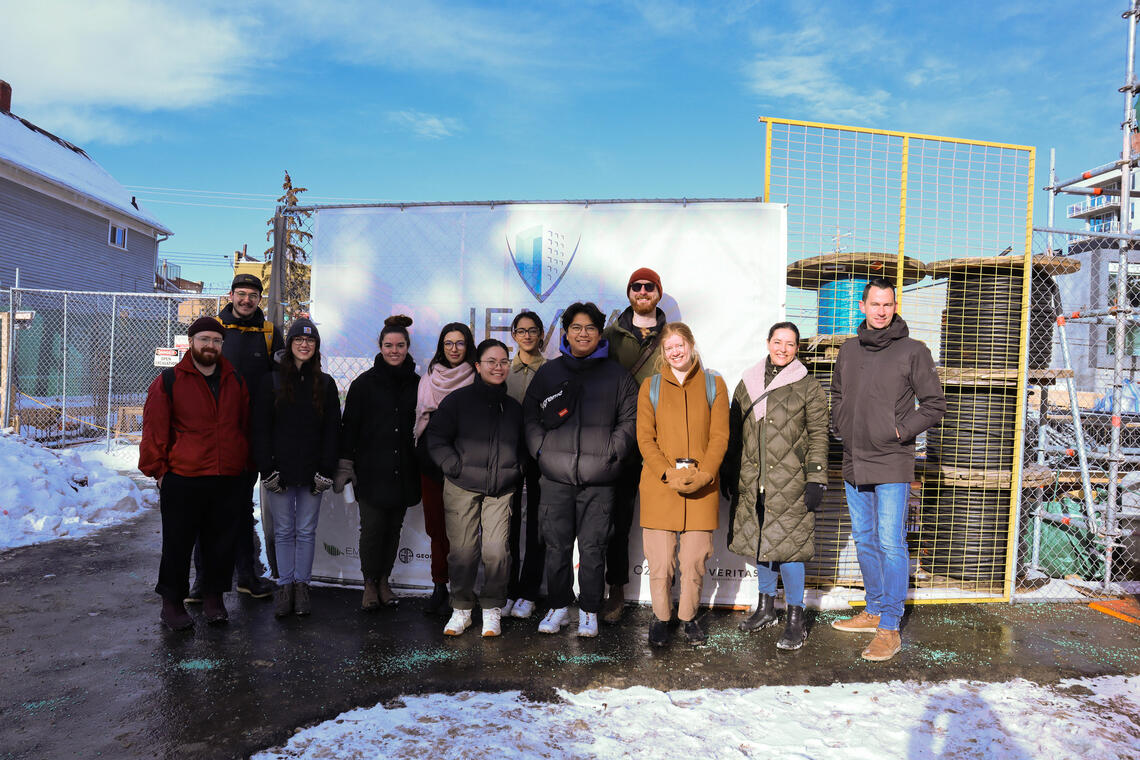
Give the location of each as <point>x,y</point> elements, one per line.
<point>621,413</point>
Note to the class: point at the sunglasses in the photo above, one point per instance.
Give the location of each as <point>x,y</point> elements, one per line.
<point>648,287</point>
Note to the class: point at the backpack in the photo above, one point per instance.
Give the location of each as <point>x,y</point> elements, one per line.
<point>710,387</point>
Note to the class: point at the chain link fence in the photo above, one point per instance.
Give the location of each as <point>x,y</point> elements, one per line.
<point>81,362</point>
<point>1067,531</point>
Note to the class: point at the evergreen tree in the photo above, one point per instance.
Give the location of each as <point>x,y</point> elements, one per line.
<point>296,254</point>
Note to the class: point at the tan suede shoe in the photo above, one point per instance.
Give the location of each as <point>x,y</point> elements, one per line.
<point>860,623</point>
<point>884,646</point>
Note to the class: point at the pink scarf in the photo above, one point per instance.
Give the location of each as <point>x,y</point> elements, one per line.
<point>753,380</point>
<point>434,388</point>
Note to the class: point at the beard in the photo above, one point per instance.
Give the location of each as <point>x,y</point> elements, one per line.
<point>645,308</point>
<point>207,357</point>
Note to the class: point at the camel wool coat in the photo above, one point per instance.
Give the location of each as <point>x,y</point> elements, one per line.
<point>682,426</point>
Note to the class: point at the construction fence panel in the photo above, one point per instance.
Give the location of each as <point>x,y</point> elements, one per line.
<point>81,362</point>
<point>1070,543</point>
<point>949,223</point>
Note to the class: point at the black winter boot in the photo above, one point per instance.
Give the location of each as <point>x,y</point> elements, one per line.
<point>658,633</point>
<point>795,634</point>
<point>438,603</point>
<point>764,616</point>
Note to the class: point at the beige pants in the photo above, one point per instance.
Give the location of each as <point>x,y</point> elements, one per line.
<point>478,527</point>
<point>661,551</point>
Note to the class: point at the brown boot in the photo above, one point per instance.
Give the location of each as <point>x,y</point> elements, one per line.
<point>388,597</point>
<point>371,600</point>
<point>174,615</point>
<point>859,623</point>
<point>614,605</point>
<point>301,604</point>
<point>884,646</point>
<point>283,600</point>
<point>214,609</point>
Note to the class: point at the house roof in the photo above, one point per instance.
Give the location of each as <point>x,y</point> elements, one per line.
<point>54,159</point>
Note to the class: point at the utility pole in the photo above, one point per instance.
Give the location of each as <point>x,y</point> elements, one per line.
<point>276,310</point>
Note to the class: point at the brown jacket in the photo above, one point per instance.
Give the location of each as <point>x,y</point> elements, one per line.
<point>682,426</point>
<point>877,379</point>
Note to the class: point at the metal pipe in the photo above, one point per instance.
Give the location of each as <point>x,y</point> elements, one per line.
<point>1088,233</point>
<point>1128,127</point>
<point>1052,194</point>
<point>111,367</point>
<point>1090,173</point>
<point>63,411</point>
<point>11,351</point>
<point>1093,454</point>
<point>1079,432</point>
<point>1095,191</point>
<point>1112,311</point>
<point>1061,518</point>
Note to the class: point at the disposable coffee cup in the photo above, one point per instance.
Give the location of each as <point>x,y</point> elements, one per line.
<point>349,493</point>
<point>684,463</point>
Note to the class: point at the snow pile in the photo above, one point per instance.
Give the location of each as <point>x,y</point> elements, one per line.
<point>47,494</point>
<point>1085,718</point>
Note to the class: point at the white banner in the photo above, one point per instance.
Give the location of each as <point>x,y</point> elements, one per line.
<point>722,267</point>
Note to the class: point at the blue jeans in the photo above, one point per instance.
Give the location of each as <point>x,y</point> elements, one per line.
<point>793,575</point>
<point>295,514</point>
<point>878,525</point>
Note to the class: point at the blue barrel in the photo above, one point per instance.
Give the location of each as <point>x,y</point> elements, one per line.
<point>839,307</point>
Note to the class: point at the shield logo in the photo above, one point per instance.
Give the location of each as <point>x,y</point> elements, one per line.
<point>542,257</point>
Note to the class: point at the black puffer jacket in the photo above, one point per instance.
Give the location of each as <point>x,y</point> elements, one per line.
<point>245,346</point>
<point>289,436</point>
<point>376,434</point>
<point>588,448</point>
<point>476,438</point>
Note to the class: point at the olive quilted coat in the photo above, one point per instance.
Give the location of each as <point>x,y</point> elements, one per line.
<point>778,455</point>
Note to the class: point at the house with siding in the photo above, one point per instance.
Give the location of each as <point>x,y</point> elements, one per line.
<point>65,222</point>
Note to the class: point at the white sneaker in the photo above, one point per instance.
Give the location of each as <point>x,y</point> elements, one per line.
<point>508,607</point>
<point>460,621</point>
<point>553,621</point>
<point>524,608</point>
<point>587,623</point>
<point>491,621</point>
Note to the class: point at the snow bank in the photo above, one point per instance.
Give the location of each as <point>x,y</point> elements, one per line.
<point>47,494</point>
<point>1085,718</point>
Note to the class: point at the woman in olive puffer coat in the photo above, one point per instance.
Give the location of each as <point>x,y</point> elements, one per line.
<point>776,473</point>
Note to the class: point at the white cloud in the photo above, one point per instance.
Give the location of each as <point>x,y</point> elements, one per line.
<point>813,81</point>
<point>425,125</point>
<point>427,36</point>
<point>77,63</point>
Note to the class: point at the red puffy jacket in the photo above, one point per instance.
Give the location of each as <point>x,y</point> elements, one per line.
<point>192,434</point>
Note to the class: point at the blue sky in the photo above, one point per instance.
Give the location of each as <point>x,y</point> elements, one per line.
<point>433,100</point>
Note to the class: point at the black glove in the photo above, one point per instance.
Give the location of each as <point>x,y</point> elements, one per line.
<point>727,487</point>
<point>813,495</point>
<point>345,474</point>
<point>321,484</point>
<point>273,482</point>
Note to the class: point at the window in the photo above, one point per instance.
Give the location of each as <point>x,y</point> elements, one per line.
<point>1132,333</point>
<point>116,236</point>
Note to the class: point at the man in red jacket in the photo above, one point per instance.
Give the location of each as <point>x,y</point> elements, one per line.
<point>195,445</point>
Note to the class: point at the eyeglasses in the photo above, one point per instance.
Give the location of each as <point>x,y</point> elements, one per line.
<point>496,362</point>
<point>246,295</point>
<point>305,341</point>
<point>452,344</point>
<point>580,329</point>
<point>648,287</point>
<point>531,331</point>
<point>202,340</point>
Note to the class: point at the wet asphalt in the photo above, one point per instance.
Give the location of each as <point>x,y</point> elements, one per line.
<point>86,670</point>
